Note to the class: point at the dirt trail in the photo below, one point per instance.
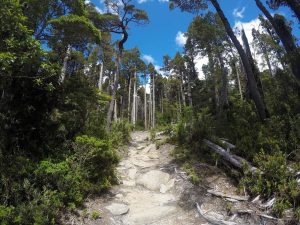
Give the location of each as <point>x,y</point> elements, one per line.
<point>154,191</point>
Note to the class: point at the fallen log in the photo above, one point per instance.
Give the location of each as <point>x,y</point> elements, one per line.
<point>213,218</point>
<point>228,196</point>
<point>231,158</point>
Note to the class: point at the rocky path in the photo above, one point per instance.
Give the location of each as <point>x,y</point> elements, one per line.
<point>153,190</point>
<point>150,191</point>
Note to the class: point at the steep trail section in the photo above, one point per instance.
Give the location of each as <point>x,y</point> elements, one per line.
<point>150,191</point>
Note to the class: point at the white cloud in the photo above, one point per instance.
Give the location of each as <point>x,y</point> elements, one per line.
<point>163,0</point>
<point>148,58</point>
<point>142,1</point>
<point>180,39</point>
<point>239,12</point>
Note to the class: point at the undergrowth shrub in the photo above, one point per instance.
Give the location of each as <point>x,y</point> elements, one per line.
<point>274,178</point>
<point>120,133</point>
<point>97,159</point>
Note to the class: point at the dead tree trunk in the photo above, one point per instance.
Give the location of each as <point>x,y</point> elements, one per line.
<point>153,107</point>
<point>100,77</point>
<point>286,37</point>
<point>182,90</point>
<point>114,92</point>
<point>65,64</point>
<point>231,158</point>
<point>133,111</point>
<point>145,106</point>
<point>251,60</point>
<point>260,106</point>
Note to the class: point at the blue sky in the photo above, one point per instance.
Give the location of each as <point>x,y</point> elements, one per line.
<point>158,38</point>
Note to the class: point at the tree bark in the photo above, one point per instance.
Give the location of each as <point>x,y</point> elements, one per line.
<point>129,97</point>
<point>65,64</point>
<point>238,80</point>
<point>145,106</point>
<point>153,107</point>
<point>133,111</point>
<point>260,106</point>
<point>251,60</point>
<point>286,38</point>
<point>114,91</point>
<point>100,77</point>
<point>182,90</point>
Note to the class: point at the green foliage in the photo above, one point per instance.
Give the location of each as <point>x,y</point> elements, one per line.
<point>83,25</point>
<point>120,133</point>
<point>274,177</point>
<point>193,176</point>
<point>95,215</point>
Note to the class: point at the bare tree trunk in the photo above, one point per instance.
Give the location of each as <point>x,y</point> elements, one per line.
<point>238,80</point>
<point>114,92</point>
<point>286,38</point>
<point>145,106</point>
<point>260,106</point>
<point>64,68</point>
<point>190,94</point>
<point>182,91</point>
<point>150,110</point>
<point>251,60</point>
<point>100,77</point>
<point>115,111</point>
<point>129,97</point>
<point>153,107</point>
<point>145,109</point>
<point>133,111</point>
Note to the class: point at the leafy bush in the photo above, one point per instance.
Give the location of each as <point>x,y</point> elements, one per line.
<point>97,160</point>
<point>120,133</point>
<point>274,177</point>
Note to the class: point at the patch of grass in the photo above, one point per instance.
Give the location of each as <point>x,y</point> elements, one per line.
<point>95,215</point>
<point>190,170</point>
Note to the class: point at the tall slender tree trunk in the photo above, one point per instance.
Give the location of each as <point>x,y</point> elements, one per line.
<point>286,38</point>
<point>150,109</point>
<point>260,106</point>
<point>145,106</point>
<point>153,107</point>
<point>114,92</point>
<point>129,97</point>
<point>251,60</point>
<point>115,110</point>
<point>133,111</point>
<point>238,79</point>
<point>182,90</point>
<point>190,93</point>
<point>65,64</point>
<point>100,77</point>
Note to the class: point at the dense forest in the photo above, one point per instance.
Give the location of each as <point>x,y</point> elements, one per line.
<point>71,93</point>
